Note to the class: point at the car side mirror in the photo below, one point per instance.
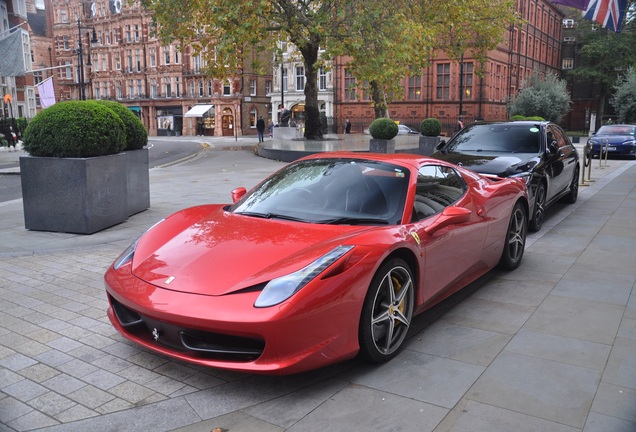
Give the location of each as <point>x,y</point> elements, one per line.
<point>553,147</point>
<point>449,216</point>
<point>238,193</point>
<point>441,145</point>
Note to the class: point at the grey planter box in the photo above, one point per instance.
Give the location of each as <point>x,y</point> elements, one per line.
<point>74,195</point>
<point>428,145</point>
<point>381,146</point>
<point>137,174</point>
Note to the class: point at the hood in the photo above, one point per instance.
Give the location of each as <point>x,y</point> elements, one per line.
<point>224,252</point>
<point>612,139</point>
<point>500,165</point>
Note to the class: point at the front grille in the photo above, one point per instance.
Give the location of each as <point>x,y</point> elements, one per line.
<point>195,343</point>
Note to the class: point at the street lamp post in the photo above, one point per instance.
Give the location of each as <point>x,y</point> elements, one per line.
<point>80,55</point>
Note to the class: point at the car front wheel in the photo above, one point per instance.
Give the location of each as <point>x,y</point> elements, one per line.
<point>515,239</point>
<point>538,213</point>
<point>387,312</point>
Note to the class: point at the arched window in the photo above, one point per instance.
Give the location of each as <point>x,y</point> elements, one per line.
<point>201,88</point>
<point>210,88</point>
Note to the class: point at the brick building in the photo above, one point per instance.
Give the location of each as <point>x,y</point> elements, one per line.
<point>104,49</point>
<point>536,46</point>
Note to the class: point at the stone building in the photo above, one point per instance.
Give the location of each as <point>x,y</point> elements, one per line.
<point>105,49</point>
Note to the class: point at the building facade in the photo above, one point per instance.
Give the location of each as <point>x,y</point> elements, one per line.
<point>18,92</point>
<point>454,90</point>
<point>105,49</point>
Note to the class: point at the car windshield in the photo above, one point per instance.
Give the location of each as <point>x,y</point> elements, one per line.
<point>506,138</point>
<point>617,130</point>
<point>331,191</point>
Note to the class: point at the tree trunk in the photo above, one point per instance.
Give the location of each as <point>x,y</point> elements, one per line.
<point>313,129</point>
<point>379,106</point>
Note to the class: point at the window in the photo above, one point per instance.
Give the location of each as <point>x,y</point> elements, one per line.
<point>136,29</point>
<point>467,81</point>
<point>568,63</point>
<point>443,81</point>
<point>63,15</point>
<point>168,87</point>
<point>128,35</point>
<point>268,87</point>
<point>130,60</point>
<point>138,60</point>
<point>569,39</point>
<point>37,77</point>
<point>322,78</point>
<point>69,72</point>
<point>166,55</point>
<point>153,57</point>
<point>196,60</point>
<point>210,88</point>
<point>117,61</point>
<point>200,88</point>
<point>192,88</point>
<point>252,87</point>
<point>227,88</point>
<point>104,62</point>
<point>300,78</point>
<point>350,86</point>
<point>569,23</point>
<point>153,88</point>
<point>253,118</point>
<point>176,56</point>
<point>139,88</point>
<point>65,41</point>
<point>415,88</point>
<point>437,188</point>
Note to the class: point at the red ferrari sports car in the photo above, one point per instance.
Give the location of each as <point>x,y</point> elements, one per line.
<point>326,259</point>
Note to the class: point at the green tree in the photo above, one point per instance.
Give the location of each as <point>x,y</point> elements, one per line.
<point>624,98</point>
<point>387,39</point>
<point>602,56</point>
<point>540,96</point>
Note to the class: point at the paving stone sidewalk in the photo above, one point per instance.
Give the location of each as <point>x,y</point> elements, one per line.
<point>550,346</point>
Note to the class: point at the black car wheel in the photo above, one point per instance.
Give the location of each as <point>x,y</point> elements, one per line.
<point>572,196</point>
<point>538,213</point>
<point>387,312</point>
<point>515,239</point>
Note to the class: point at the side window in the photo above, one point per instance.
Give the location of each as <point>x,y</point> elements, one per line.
<point>437,188</point>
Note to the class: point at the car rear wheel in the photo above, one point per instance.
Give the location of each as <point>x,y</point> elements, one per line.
<point>571,197</point>
<point>515,239</point>
<point>538,214</point>
<point>387,312</point>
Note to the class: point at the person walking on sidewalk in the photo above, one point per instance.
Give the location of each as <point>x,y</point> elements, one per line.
<point>260,127</point>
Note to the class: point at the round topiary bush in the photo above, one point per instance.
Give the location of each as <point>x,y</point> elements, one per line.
<point>383,128</point>
<point>136,133</point>
<point>431,127</point>
<point>75,129</point>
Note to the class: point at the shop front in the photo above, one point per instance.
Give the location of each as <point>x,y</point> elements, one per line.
<point>203,116</point>
<point>169,121</point>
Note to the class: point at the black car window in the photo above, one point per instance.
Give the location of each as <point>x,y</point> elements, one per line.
<point>554,134</point>
<point>437,188</point>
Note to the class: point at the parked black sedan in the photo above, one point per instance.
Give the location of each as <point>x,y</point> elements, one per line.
<point>539,152</point>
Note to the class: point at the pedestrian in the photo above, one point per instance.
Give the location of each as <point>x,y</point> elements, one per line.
<point>271,129</point>
<point>347,126</point>
<point>260,127</point>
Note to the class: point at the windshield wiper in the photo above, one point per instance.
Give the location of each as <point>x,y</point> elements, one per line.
<point>353,221</point>
<point>272,216</point>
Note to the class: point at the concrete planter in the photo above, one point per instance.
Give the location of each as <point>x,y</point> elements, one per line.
<point>74,195</point>
<point>428,145</point>
<point>138,180</point>
<point>381,146</point>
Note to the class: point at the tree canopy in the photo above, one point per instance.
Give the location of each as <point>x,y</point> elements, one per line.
<point>385,40</point>
<point>624,98</point>
<point>540,96</point>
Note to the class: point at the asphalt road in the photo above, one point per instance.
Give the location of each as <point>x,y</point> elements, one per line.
<point>160,152</point>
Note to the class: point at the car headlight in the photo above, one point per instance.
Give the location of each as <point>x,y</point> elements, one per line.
<point>128,254</point>
<point>526,176</point>
<point>280,289</point>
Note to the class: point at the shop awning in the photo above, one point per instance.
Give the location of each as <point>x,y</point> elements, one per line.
<point>135,108</point>
<point>198,110</point>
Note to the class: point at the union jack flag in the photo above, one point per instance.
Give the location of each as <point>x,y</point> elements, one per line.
<point>608,13</point>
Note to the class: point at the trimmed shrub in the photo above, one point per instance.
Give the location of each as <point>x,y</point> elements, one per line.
<point>431,127</point>
<point>383,128</point>
<point>75,129</point>
<point>526,118</point>
<point>136,133</point>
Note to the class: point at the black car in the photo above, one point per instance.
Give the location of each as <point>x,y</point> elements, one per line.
<point>539,152</point>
